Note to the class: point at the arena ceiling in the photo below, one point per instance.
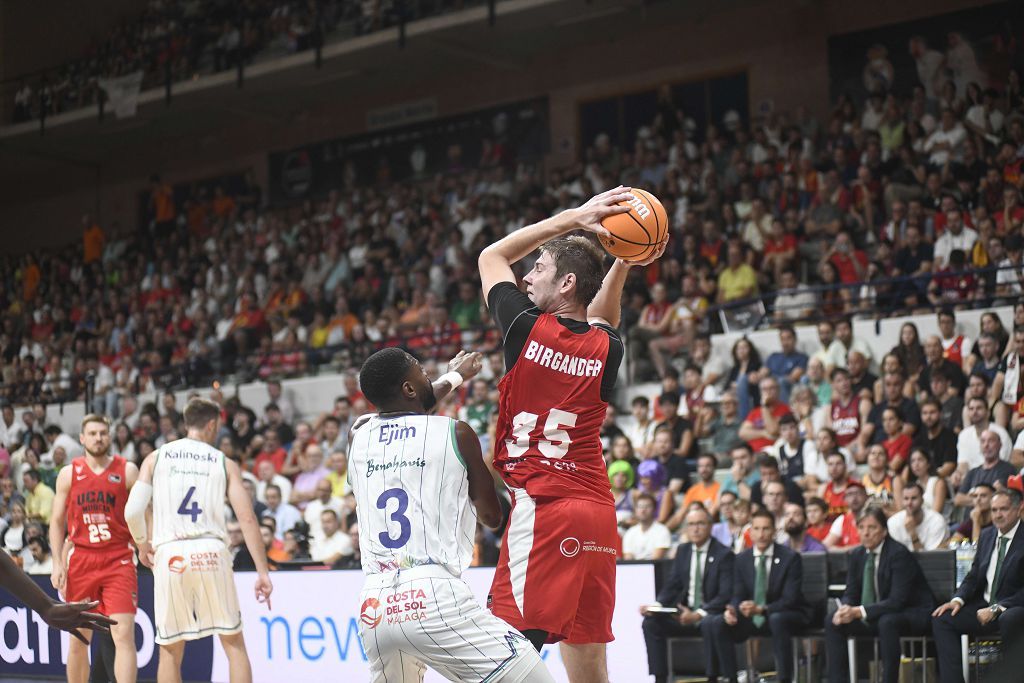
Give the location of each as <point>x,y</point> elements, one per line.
<point>276,107</point>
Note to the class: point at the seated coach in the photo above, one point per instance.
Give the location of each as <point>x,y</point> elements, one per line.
<point>699,585</point>
<point>886,596</point>
<point>767,600</point>
<point>991,597</point>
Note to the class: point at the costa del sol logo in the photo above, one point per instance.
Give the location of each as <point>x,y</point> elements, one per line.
<point>570,547</point>
<point>370,613</point>
<point>177,565</point>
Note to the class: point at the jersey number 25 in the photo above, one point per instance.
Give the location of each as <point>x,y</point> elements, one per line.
<point>555,443</point>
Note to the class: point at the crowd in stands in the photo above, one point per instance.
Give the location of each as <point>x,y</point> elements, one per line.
<point>182,39</point>
<point>910,202</point>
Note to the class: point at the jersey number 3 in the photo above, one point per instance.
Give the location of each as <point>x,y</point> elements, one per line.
<point>555,443</point>
<point>404,525</point>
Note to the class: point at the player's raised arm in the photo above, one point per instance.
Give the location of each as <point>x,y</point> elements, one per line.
<point>495,262</point>
<point>58,527</point>
<point>607,305</point>
<point>242,505</point>
<point>462,368</point>
<point>481,484</point>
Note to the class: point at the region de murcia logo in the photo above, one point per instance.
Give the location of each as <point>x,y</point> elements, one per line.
<point>570,547</point>
<point>370,613</point>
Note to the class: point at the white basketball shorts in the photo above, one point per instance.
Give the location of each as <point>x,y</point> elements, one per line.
<point>424,617</point>
<point>194,591</point>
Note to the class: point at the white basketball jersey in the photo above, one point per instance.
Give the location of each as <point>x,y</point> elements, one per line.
<point>412,494</point>
<point>189,486</point>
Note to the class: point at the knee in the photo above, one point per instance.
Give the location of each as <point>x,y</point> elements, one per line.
<point>777,622</point>
<point>889,625</point>
<point>1011,620</point>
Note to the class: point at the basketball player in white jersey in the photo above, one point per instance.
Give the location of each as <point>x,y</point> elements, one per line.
<point>413,476</point>
<point>193,583</point>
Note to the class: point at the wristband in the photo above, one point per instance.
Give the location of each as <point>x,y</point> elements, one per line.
<point>453,378</point>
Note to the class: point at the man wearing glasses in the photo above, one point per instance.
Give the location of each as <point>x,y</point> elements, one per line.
<point>699,584</point>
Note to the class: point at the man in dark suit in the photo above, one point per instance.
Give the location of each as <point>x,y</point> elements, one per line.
<point>702,567</point>
<point>886,596</point>
<point>767,600</point>
<point>991,597</point>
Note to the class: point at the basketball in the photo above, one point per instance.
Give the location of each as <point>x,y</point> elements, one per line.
<point>636,235</point>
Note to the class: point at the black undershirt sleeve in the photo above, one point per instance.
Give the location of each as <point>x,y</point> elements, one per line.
<point>515,315</point>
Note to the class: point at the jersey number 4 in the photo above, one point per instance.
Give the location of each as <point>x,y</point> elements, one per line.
<point>555,443</point>
<point>192,510</point>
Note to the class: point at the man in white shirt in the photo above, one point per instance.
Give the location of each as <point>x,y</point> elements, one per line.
<point>955,236</point>
<point>968,443</point>
<point>915,526</point>
<point>986,601</point>
<point>266,477</point>
<point>333,545</point>
<point>286,516</point>
<point>947,142</point>
<point>648,540</point>
<point>844,342</point>
<point>58,439</point>
<point>11,430</point>
<point>323,501</point>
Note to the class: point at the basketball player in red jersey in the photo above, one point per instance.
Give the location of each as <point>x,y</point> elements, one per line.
<point>89,510</point>
<point>556,573</point>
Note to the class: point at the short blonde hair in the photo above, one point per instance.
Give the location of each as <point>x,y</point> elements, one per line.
<point>95,417</point>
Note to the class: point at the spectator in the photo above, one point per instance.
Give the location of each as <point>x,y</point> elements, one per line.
<point>641,428</point>
<point>980,516</point>
<point>285,515</point>
<point>786,365</point>
<point>334,545</point>
<point>844,534</point>
<point>742,475</point>
<point>936,362</point>
<point>977,593</point>
<point>737,281</point>
<point>700,585</point>
<point>882,487</point>
<point>38,497</point>
<point>273,451</point>
<point>955,347</point>
<point>307,482</point>
<point>720,430</point>
<point>968,443</point>
<point>798,457</point>
<point>923,473</point>
<point>705,491</point>
<point>325,500</point>
<point>337,473</point>
<point>795,526</point>
<point>678,427</point>
<point>833,492</point>
<point>883,597</point>
<point>773,607</point>
<point>648,539</point>
<point>848,418</point>
<point>1009,384</point>
<point>916,526</point>
<point>769,467</point>
<point>266,476</point>
<point>39,562</point>
<point>14,534</point>
<point>746,374</point>
<point>760,428</point>
<point>992,470</point>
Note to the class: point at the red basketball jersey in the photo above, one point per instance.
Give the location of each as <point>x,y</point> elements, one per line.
<point>955,351</point>
<point>95,514</point>
<point>846,420</point>
<point>549,420</point>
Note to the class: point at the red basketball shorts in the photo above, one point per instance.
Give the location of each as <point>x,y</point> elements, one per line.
<point>109,578</point>
<point>556,571</point>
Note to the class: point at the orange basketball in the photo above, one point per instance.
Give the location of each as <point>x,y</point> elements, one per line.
<point>636,235</point>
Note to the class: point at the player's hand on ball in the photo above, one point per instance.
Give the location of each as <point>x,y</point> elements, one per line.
<point>600,206</point>
<point>650,259</point>
<point>263,589</point>
<point>467,364</point>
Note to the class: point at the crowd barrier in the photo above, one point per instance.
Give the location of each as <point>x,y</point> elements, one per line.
<point>310,635</point>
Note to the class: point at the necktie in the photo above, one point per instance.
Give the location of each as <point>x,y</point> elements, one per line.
<point>999,568</point>
<point>867,590</point>
<point>761,588</point>
<point>698,576</point>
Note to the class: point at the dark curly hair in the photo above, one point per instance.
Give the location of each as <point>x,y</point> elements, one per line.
<point>381,376</point>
